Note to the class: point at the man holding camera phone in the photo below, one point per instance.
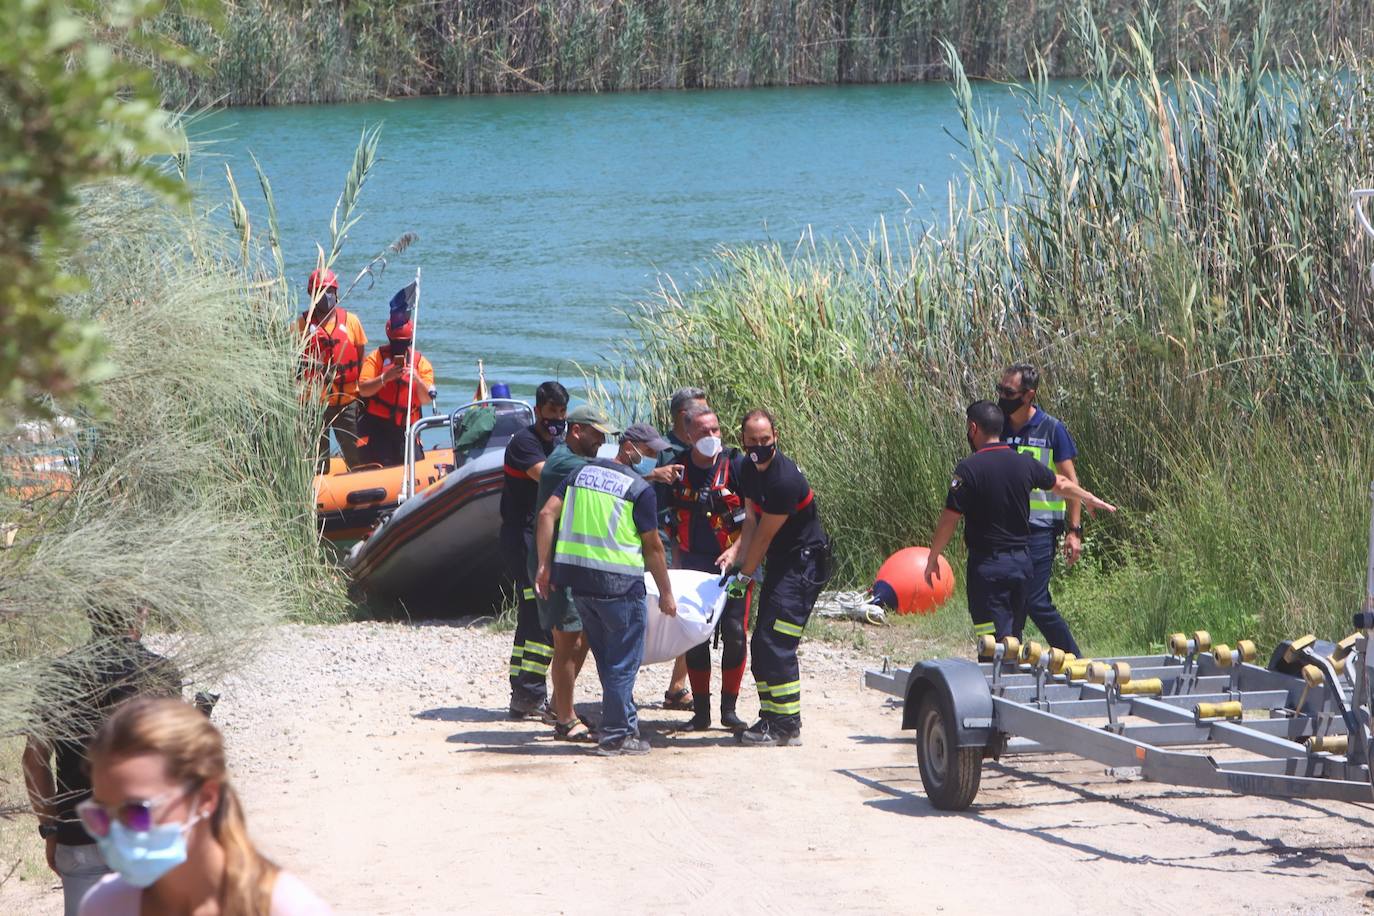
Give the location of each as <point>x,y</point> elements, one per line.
<point>393,375</point>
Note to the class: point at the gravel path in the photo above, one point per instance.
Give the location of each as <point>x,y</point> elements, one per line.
<point>376,761</point>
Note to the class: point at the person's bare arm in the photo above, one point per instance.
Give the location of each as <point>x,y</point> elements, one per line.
<point>1065,487</point>
<point>535,470</point>
<point>1073,543</point>
<point>944,533</point>
<point>38,778</point>
<point>656,562</point>
<point>543,542</point>
<point>42,788</point>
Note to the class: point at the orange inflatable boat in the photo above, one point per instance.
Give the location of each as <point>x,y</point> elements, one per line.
<point>349,504</point>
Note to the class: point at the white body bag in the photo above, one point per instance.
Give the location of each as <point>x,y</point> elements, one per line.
<point>699,603</point>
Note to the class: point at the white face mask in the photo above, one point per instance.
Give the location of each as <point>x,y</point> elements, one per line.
<point>708,446</point>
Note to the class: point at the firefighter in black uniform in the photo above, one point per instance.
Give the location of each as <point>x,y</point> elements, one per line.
<point>707,517</point>
<point>782,529</point>
<point>991,491</point>
<point>525,455</point>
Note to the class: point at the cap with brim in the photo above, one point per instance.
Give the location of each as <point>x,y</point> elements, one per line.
<point>587,415</point>
<point>647,435</point>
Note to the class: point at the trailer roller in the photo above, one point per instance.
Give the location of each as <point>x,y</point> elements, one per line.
<point>1231,709</point>
<point>1328,744</point>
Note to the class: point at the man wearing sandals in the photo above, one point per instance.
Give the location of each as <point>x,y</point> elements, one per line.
<point>607,535</point>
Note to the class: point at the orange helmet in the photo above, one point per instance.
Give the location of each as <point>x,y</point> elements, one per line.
<point>322,278</point>
<point>404,331</point>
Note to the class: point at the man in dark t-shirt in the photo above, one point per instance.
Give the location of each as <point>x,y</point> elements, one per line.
<point>88,684</point>
<point>782,531</point>
<point>991,491</point>
<point>532,648</point>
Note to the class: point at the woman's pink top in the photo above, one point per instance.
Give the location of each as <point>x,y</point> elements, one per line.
<point>113,897</point>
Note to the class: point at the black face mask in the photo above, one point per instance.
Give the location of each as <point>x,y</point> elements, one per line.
<point>762,454</point>
<point>555,428</point>
<point>1009,405</point>
<point>324,305</point>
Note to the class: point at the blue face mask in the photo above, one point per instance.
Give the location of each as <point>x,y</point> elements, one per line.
<point>645,466</point>
<point>142,857</point>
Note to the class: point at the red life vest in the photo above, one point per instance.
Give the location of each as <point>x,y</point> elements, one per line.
<point>389,402</point>
<point>330,354</point>
<point>718,501</point>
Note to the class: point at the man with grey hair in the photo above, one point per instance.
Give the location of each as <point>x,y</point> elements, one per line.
<point>678,695</point>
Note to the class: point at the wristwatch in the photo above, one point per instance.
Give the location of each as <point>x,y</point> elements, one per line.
<point>1075,529</point>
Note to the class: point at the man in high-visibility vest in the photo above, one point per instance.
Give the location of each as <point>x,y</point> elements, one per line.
<point>607,537</point>
<point>333,343</point>
<point>1032,431</point>
<point>393,376</point>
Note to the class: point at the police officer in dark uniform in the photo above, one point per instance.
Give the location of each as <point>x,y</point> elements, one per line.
<point>991,491</point>
<point>782,530</point>
<point>525,455</point>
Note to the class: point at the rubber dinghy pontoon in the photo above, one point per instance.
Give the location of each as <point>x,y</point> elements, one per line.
<point>438,553</point>
<point>350,503</point>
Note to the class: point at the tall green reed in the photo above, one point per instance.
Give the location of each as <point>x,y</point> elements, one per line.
<point>311,51</point>
<point>194,496</point>
<point>1180,258</point>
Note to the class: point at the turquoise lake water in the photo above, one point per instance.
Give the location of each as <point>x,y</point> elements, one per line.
<point>543,217</point>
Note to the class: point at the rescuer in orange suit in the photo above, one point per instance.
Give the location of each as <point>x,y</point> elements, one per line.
<point>393,375</point>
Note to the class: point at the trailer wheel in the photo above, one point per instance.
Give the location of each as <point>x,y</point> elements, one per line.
<point>950,774</point>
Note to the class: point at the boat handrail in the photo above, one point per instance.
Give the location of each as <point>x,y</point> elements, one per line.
<point>433,422</point>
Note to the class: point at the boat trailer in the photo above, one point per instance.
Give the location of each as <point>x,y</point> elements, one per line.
<point>1299,728</point>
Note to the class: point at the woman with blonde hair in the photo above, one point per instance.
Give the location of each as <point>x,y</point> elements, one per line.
<point>171,826</point>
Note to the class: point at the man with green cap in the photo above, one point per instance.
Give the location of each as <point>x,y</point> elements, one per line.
<point>607,535</point>
<point>557,613</point>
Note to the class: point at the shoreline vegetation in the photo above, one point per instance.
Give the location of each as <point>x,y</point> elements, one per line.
<point>1182,260</point>
<point>313,51</point>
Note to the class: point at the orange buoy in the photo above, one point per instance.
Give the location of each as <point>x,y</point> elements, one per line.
<point>901,582</point>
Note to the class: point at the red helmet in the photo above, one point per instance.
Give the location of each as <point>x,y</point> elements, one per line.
<point>404,331</point>
<point>322,278</point>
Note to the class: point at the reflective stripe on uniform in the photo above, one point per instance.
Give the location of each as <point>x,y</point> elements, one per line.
<point>762,687</point>
<point>538,648</point>
<point>782,690</point>
<point>597,528</point>
<point>789,629</point>
<point>984,629</point>
<point>534,667</point>
<point>782,709</point>
<point>528,594</point>
<point>1045,507</point>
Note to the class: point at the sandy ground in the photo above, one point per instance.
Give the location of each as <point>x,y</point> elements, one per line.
<point>378,764</point>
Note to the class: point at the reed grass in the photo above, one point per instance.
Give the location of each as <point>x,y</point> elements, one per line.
<point>313,51</point>
<point>194,496</point>
<point>1180,258</point>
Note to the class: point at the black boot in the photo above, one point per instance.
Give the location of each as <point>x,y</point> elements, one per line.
<point>701,712</point>
<point>728,718</point>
